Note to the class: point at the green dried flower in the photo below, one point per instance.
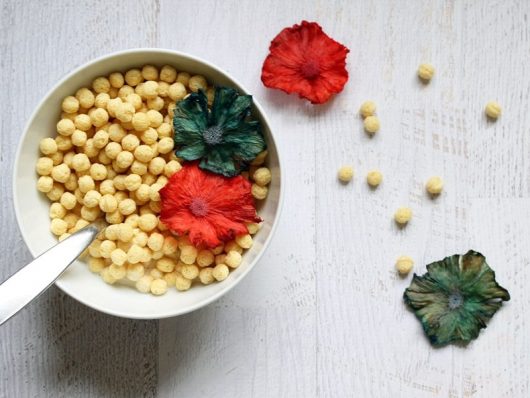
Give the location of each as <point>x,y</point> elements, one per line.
<point>455,298</point>
<point>224,139</point>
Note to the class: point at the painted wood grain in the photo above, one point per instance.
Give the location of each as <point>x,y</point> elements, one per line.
<point>322,314</point>
<point>58,347</point>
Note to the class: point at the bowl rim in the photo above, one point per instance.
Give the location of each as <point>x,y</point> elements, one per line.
<point>154,51</point>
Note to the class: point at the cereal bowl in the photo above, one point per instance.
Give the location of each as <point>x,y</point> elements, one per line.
<point>32,207</point>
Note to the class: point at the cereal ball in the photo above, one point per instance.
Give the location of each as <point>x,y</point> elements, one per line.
<point>85,97</point>
<point>70,104</point>
<point>63,143</point>
<point>108,203</point>
<point>83,122</point>
<point>493,110</point>
<point>232,245</point>
<point>125,112</point>
<point>48,146</point>
<point>425,72</point>
<point>112,150</point>
<point>80,162</point>
<point>139,237</point>
<point>79,225</point>
<point>61,173</point>
<point>113,105</point>
<point>157,165</point>
<point>140,121</point>
<point>107,277</point>
<point>143,153</point>
<point>177,91</point>
<point>403,215</point>
<point>58,226</point>
<point>184,78</point>
<point>188,254</point>
<point>262,176</point>
<point>164,130</point>
<point>90,213</point>
<point>124,91</point>
<point>135,272</point>
<point>86,183</point>
<point>233,259</point>
<point>107,187</point>
<point>206,276</point>
<point>182,283</point>
<point>79,138</point>
<point>156,242</point>
<point>138,168</point>
<point>116,132</point>
<point>259,192</point>
<point>434,185</point>
<point>245,241</point>
<point>99,117</point>
<point>166,264</point>
<point>149,72</point>
<point>106,248</point>
<point>374,178</point>
<point>371,124</point>
<point>117,272</point>
<point>171,168</point>
<point>135,254</point>
<point>158,287</point>
<point>100,139</point>
<point>260,159</point>
<point>56,192</point>
<point>124,159</point>
<point>133,182</point>
<point>367,109</point>
<point>190,271</point>
<point>133,77</point>
<point>142,193</point>
<point>114,218</point>
<point>163,90</point>
<point>147,222</point>
<point>98,172</point>
<point>102,100</point>
<point>113,92</point>
<point>57,211</point>
<point>44,166</point>
<point>143,284</point>
<point>253,228</point>
<point>68,200</point>
<point>101,85</point>
<point>404,264</point>
<point>96,264</point>
<point>130,142</point>
<point>220,272</point>
<point>149,90</point>
<point>92,199</point>
<point>155,118</point>
<point>156,104</point>
<point>125,232</point>
<point>118,256</point>
<point>135,100</point>
<point>205,258</point>
<point>168,74</point>
<point>65,127</point>
<point>116,79</point>
<point>149,136</point>
<point>345,174</point>
<point>165,145</point>
<point>127,206</point>
<point>170,246</point>
<point>56,157</point>
<point>93,248</point>
<point>197,83</point>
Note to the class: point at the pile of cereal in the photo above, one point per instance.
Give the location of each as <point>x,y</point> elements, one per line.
<point>112,155</point>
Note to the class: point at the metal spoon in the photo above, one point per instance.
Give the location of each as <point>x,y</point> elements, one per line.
<point>33,279</point>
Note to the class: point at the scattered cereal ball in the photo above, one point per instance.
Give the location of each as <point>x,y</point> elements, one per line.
<point>92,199</point>
<point>262,176</point>
<point>404,265</point>
<point>434,185</point>
<point>124,159</point>
<point>425,72</point>
<point>371,124</point>
<point>253,228</point>
<point>133,182</point>
<point>44,166</point>
<point>189,271</point>
<point>144,284</point>
<point>85,98</point>
<point>98,172</point>
<point>96,264</point>
<point>58,226</point>
<point>68,200</point>
<point>206,276</point>
<point>116,79</point>
<point>107,277</point>
<point>102,100</point>
<point>177,91</point>
<point>70,104</point>
<point>143,153</point>
<point>86,183</point>
<point>140,121</point>
<point>61,173</point>
<point>135,272</point>
<point>233,259</point>
<point>79,138</point>
<point>133,77</point>
<point>220,272</point>
<point>259,192</point>
<point>57,211</point>
<point>374,178</point>
<point>182,283</point>
<point>125,112</point>
<point>106,248</point>
<point>205,258</point>
<point>367,109</point>
<point>48,146</point>
<point>493,110</point>
<point>245,241</point>
<point>345,174</point>
<point>65,127</point>
<point>197,83</point>
<point>188,254</point>
<point>127,206</point>
<point>168,74</point>
<point>403,215</point>
<point>147,222</point>
<point>158,287</point>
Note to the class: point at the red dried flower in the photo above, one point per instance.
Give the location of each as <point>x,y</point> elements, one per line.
<point>304,60</point>
<point>210,207</point>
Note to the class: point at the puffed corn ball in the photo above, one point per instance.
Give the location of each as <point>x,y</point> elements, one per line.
<point>374,178</point>
<point>367,109</point>
<point>403,215</point>
<point>425,72</point>
<point>345,174</point>
<point>371,124</point>
<point>493,110</point>
<point>434,185</point>
<point>112,153</point>
<point>404,265</point>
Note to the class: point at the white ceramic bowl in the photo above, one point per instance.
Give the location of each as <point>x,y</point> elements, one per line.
<point>31,207</point>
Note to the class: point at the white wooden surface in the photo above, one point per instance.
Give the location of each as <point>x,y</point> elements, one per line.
<point>321,315</point>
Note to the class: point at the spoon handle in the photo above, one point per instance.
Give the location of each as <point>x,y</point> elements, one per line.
<point>33,279</point>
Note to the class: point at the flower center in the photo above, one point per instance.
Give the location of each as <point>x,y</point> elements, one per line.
<point>213,135</point>
<point>455,300</point>
<point>198,207</point>
<point>310,70</point>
